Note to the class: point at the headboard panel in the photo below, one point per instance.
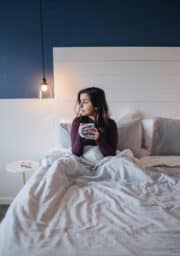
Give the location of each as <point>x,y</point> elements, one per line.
<point>142,79</point>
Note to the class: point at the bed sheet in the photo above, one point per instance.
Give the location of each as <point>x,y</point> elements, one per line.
<point>115,206</point>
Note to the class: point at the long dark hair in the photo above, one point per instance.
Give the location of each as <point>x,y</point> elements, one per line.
<point>98,99</point>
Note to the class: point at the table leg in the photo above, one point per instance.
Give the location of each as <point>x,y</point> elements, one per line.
<point>24,178</point>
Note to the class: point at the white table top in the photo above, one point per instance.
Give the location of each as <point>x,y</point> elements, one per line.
<point>22,166</point>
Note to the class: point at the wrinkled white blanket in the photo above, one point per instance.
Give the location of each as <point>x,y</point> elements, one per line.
<point>73,206</point>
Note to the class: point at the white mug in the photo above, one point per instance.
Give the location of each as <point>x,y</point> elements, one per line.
<point>87,135</point>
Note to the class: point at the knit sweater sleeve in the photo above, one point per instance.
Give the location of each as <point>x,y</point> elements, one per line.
<point>77,142</point>
<point>108,143</point>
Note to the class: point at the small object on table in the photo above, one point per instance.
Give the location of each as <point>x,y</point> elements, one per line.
<point>22,166</point>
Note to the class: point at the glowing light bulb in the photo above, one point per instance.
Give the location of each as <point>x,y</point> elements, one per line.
<point>44,91</point>
<point>44,87</point>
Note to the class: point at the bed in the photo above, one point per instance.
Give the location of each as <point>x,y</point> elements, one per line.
<point>94,205</point>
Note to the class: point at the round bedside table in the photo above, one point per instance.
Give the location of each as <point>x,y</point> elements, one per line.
<point>22,166</point>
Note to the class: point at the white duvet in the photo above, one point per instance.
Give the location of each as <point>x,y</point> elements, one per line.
<point>105,206</point>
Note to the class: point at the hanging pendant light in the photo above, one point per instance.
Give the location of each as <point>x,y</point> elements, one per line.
<point>45,89</point>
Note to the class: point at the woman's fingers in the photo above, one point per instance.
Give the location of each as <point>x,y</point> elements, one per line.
<point>92,131</point>
<point>95,134</point>
<point>84,128</point>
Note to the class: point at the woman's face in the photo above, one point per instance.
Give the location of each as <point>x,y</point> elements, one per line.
<point>86,106</point>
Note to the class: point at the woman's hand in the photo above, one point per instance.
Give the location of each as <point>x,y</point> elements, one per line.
<point>79,114</point>
<point>95,134</point>
<point>85,127</point>
<point>94,131</point>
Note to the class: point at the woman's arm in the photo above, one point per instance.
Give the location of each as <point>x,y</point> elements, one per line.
<point>108,145</point>
<point>77,142</point>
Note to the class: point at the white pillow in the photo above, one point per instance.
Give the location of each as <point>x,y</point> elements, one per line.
<point>148,126</point>
<point>64,135</point>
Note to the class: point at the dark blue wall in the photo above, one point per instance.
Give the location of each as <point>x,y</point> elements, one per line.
<point>75,23</point>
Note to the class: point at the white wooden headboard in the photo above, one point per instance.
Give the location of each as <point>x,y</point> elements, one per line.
<point>142,79</point>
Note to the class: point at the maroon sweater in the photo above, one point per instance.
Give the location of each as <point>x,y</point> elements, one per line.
<point>107,142</point>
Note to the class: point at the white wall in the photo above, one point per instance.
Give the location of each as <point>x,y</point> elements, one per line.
<point>26,133</point>
<point>144,79</point>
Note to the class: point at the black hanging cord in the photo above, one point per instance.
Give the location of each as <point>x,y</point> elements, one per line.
<point>42,41</point>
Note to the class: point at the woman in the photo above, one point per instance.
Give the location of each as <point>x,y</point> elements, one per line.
<point>93,109</point>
